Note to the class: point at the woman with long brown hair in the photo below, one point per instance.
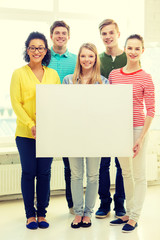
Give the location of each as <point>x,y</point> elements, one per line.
<point>134,169</point>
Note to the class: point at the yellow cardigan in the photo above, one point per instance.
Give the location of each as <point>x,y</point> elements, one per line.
<point>23,96</point>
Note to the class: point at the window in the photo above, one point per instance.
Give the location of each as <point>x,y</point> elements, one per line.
<point>18,18</point>
<point>12,47</point>
<point>28,4</point>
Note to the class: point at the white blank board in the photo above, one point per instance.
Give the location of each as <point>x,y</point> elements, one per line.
<point>84,120</point>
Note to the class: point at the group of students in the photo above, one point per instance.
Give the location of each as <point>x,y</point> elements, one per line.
<point>56,66</point>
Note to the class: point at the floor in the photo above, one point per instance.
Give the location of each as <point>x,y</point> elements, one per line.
<point>12,222</point>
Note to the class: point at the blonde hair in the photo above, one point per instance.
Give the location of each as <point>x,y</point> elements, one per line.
<point>107,22</point>
<point>96,76</point>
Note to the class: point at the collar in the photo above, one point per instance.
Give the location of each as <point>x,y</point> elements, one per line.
<point>123,53</point>
<point>66,54</point>
<point>131,73</point>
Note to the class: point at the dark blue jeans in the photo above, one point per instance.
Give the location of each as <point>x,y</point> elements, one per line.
<point>104,181</point>
<point>34,168</point>
<point>67,174</point>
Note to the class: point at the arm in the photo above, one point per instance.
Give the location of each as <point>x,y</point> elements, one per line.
<point>110,78</point>
<point>68,79</point>
<point>104,80</point>
<point>58,79</point>
<point>139,142</point>
<point>65,81</point>
<point>16,101</point>
<point>149,97</point>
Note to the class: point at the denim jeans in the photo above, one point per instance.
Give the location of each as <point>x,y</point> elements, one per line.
<point>34,168</point>
<point>104,181</point>
<point>92,174</point>
<point>67,174</point>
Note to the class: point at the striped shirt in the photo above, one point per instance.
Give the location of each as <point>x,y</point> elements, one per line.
<point>64,64</point>
<point>143,92</point>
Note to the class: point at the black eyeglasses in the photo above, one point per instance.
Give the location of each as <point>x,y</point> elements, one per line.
<point>40,49</point>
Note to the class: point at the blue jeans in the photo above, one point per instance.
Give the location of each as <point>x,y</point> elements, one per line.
<point>104,181</point>
<point>34,168</point>
<point>92,173</point>
<point>67,174</point>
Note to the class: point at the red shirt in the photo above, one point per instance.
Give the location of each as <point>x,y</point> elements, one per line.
<point>143,92</point>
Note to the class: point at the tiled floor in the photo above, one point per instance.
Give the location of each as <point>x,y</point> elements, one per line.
<point>12,222</point>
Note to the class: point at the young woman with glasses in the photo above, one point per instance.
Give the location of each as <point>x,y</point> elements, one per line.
<point>23,99</point>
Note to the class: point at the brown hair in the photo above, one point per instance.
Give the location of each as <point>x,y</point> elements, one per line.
<point>107,22</point>
<point>59,24</point>
<point>135,36</point>
<point>96,76</point>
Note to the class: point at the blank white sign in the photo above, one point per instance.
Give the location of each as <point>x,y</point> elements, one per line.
<point>84,120</point>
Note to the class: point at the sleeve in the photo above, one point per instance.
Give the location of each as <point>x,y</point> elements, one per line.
<point>16,101</point>
<point>66,80</point>
<point>58,79</point>
<point>149,96</point>
<point>104,80</point>
<point>110,78</point>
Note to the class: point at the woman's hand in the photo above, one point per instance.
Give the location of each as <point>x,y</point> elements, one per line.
<point>137,147</point>
<point>139,142</point>
<point>33,130</point>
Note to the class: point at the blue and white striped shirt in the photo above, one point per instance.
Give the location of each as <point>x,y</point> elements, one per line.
<point>68,80</point>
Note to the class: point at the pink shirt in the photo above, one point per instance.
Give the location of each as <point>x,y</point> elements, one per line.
<point>143,92</point>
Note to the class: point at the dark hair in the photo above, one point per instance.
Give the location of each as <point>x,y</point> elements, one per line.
<point>59,24</point>
<point>135,36</point>
<point>37,35</point>
<point>107,22</point>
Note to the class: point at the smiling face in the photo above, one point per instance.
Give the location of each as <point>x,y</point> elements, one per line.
<point>110,35</point>
<point>60,37</point>
<point>133,50</point>
<point>36,56</point>
<point>87,59</point>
